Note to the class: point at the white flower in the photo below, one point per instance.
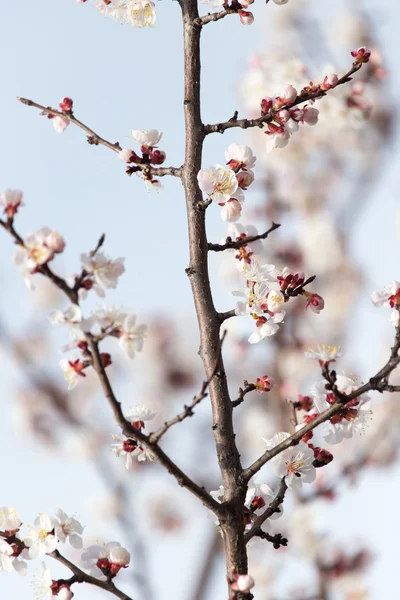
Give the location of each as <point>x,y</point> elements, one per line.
<point>72,370</point>
<point>219,183</point>
<point>105,553</point>
<point>120,556</point>
<point>132,336</point>
<point>8,562</point>
<point>72,315</point>
<point>139,414</point>
<point>9,519</point>
<point>104,270</point>
<point>64,593</point>
<point>68,528</point>
<point>254,272</point>
<point>323,353</point>
<point>242,583</point>
<point>387,298</point>
<point>108,317</point>
<point>147,139</point>
<point>11,200</point>
<point>240,156</point>
<point>124,447</point>
<point>218,494</point>
<point>231,210</point>
<point>60,124</point>
<point>43,583</point>
<point>214,3</point>
<point>266,329</point>
<point>41,539</point>
<point>275,301</point>
<point>295,463</point>
<point>141,13</point>
<point>237,231</point>
<point>258,497</point>
<point>310,115</point>
<point>279,139</point>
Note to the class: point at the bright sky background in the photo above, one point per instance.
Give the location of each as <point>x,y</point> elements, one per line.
<point>123,79</point>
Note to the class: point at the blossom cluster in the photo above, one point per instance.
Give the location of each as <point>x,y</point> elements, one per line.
<point>138,13</point>
<point>240,6</point>
<point>151,155</point>
<point>389,298</point>
<point>42,538</point>
<point>225,186</point>
<point>267,289</point>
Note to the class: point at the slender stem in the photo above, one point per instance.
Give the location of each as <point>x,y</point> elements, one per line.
<point>207,316</point>
<point>96,140</point>
<point>82,577</point>
<point>236,244</point>
<point>270,116</point>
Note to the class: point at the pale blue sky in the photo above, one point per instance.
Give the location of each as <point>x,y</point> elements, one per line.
<point>123,79</point>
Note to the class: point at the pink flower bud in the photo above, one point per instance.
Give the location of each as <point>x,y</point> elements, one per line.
<point>315,302</point>
<point>242,583</point>
<point>287,97</point>
<point>120,556</point>
<point>246,17</point>
<point>296,114</point>
<point>310,115</point>
<point>157,157</point>
<point>66,103</point>
<point>55,242</point>
<point>129,156</point>
<point>60,124</point>
<point>283,116</point>
<point>266,105</point>
<point>304,403</point>
<point>231,210</point>
<point>362,55</point>
<point>329,81</point>
<point>245,178</point>
<point>246,3</point>
<point>322,457</point>
<point>65,593</point>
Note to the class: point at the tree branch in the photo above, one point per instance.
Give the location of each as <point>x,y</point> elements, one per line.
<point>236,244</point>
<point>249,387</point>
<point>82,577</point>
<point>211,17</point>
<point>272,509</point>
<point>270,116</point>
<point>95,140</point>
<point>378,383</point>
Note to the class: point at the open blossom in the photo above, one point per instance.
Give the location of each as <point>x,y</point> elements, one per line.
<point>9,560</point>
<point>68,528</point>
<point>41,538</point>
<point>43,584</point>
<point>104,270</point>
<point>264,384</point>
<point>124,446</point>
<point>237,231</point>
<point>138,415</point>
<point>72,315</point>
<point>72,369</point>
<point>244,179</point>
<point>239,156</point>
<point>105,560</point>
<point>310,115</point>
<point>278,137</point>
<point>9,519</point>
<point>38,249</point>
<point>294,463</point>
<point>362,55</point>
<point>141,13</point>
<point>388,298</point>
<point>219,183</point>
<point>147,139</point>
<point>325,354</point>
<point>131,337</point>
<point>354,416</point>
<point>11,200</point>
<point>108,317</point>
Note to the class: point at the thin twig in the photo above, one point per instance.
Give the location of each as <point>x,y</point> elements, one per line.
<point>236,244</point>
<point>95,140</point>
<point>249,387</point>
<point>188,410</point>
<point>378,383</point>
<point>271,115</point>
<point>82,577</point>
<point>212,17</point>
<point>272,509</point>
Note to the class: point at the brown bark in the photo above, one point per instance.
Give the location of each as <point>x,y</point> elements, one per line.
<point>207,316</point>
